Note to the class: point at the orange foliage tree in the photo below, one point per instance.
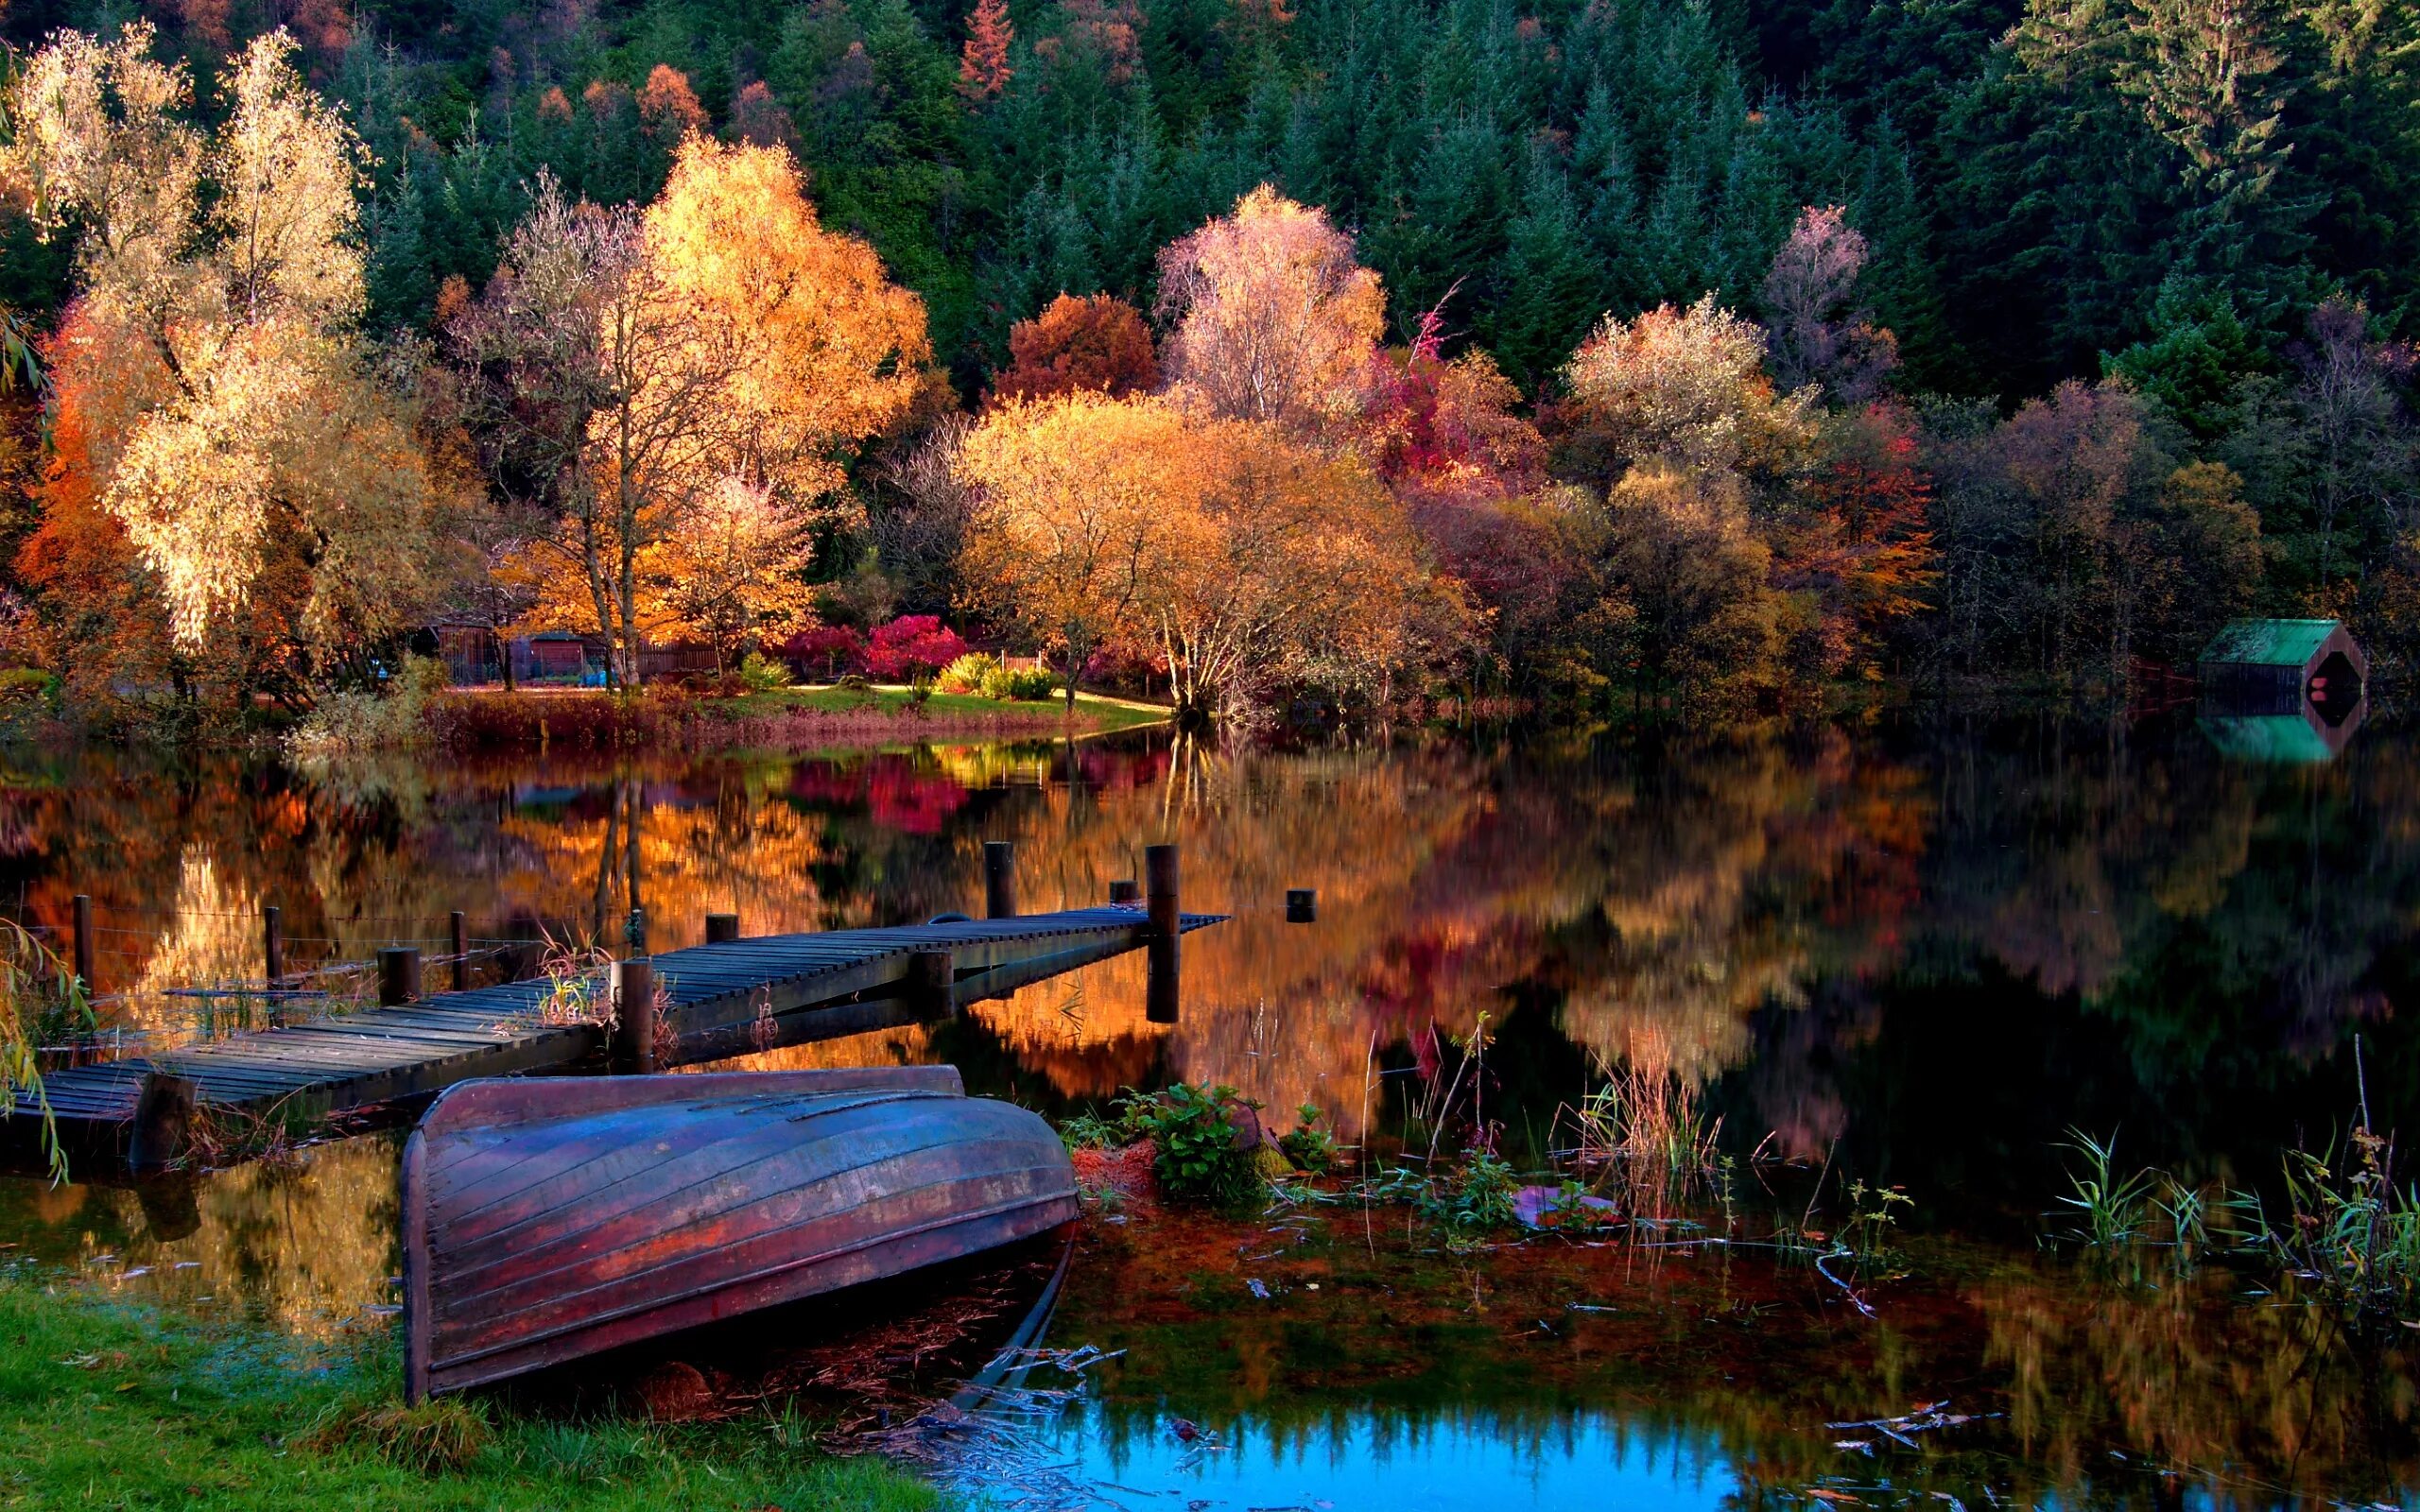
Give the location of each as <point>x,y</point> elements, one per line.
<point>983,69</point>
<point>1098,343</point>
<point>630,366</point>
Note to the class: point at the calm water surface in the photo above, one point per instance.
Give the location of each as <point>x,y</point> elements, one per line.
<point>1918,953</point>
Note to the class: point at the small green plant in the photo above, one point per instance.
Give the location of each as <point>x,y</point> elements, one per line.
<point>968,673</point>
<point>2113,1209</point>
<point>2349,1229</point>
<point>1874,1213</point>
<point>1311,1147</point>
<point>1089,1131</point>
<point>1196,1152</point>
<point>759,673</point>
<point>1478,1195</point>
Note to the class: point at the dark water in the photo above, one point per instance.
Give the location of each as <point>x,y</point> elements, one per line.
<point>1917,953</point>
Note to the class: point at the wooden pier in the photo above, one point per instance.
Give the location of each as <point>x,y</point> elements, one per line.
<point>718,1000</point>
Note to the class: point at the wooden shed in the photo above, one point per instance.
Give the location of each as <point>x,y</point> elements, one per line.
<point>2285,667</point>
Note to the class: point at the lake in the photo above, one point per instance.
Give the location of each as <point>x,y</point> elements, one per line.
<point>1915,952</point>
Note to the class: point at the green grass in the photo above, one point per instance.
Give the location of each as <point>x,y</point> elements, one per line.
<point>107,1406</point>
<point>1093,710</point>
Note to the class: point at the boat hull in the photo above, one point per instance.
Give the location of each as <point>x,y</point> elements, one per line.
<point>550,1219</point>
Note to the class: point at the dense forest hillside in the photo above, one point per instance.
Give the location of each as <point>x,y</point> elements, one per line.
<point>2202,217</point>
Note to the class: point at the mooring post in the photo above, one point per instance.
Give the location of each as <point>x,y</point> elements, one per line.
<point>634,1018</point>
<point>932,983</point>
<point>1125,891</point>
<point>721,929</point>
<point>274,945</point>
<point>634,932</point>
<point>398,976</point>
<point>1160,879</point>
<point>162,1121</point>
<point>83,945</point>
<point>1161,954</point>
<point>999,879</point>
<point>1301,905</point>
<point>462,942</point>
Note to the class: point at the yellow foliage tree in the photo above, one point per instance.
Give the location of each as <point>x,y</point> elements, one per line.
<point>273,458</point>
<point>1243,557</point>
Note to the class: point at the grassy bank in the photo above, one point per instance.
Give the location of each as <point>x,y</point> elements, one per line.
<point>107,1406</point>
<point>801,718</point>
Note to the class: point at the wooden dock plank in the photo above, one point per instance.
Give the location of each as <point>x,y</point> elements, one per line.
<point>817,986</point>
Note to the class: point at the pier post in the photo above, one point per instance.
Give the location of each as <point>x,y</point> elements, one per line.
<point>398,976</point>
<point>634,932</point>
<point>721,929</point>
<point>1163,953</point>
<point>274,945</point>
<point>999,879</point>
<point>1125,891</point>
<point>1159,881</point>
<point>1301,905</point>
<point>634,1018</point>
<point>162,1121</point>
<point>83,942</point>
<point>932,983</point>
<point>462,942</point>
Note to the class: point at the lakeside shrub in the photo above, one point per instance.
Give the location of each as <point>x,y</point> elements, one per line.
<point>1311,1147</point>
<point>1031,684</point>
<point>1199,1156</point>
<point>913,649</point>
<point>759,673</point>
<point>393,718</point>
<point>968,673</point>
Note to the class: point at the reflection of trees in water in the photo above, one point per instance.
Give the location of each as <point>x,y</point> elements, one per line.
<point>304,1245</point>
<point>1785,904</point>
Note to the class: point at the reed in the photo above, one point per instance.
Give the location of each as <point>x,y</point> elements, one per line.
<point>1645,1136</point>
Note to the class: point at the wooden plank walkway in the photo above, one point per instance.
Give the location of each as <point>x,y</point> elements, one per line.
<point>724,999</point>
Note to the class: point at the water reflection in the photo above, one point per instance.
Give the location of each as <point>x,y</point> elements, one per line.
<point>1918,952</point>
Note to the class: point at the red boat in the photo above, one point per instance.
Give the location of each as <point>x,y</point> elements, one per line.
<point>551,1218</point>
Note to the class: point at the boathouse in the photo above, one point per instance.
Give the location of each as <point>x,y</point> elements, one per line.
<point>2284,668</point>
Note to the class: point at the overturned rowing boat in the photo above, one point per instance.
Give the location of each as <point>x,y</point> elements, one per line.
<point>552,1218</point>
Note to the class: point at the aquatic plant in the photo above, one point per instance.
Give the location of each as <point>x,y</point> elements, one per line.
<point>1311,1147</point>
<point>1197,1155</point>
<point>1477,1196</point>
<point>2350,1231</point>
<point>1089,1131</point>
<point>2121,1217</point>
<point>1646,1136</point>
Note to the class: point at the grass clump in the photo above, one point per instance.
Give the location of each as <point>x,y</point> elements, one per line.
<point>107,1405</point>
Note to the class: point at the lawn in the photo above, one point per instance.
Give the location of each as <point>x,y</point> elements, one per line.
<point>109,1406</point>
<point>1095,712</point>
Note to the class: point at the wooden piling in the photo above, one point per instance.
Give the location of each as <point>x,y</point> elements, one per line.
<point>1163,953</point>
<point>999,879</point>
<point>462,942</point>
<point>398,976</point>
<point>1125,892</point>
<point>634,932</point>
<point>1160,884</point>
<point>932,983</point>
<point>721,929</point>
<point>1301,905</point>
<point>634,1018</point>
<point>84,939</point>
<point>273,946</point>
<point>162,1121</point>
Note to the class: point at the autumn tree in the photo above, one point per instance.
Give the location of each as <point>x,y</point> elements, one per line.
<point>1070,496</point>
<point>1685,388</point>
<point>1819,333</point>
<point>1098,343</point>
<point>1857,546</point>
<point>735,571</point>
<point>1703,617</point>
<point>271,467</point>
<point>983,68</point>
<point>1270,317</point>
<point>629,367</point>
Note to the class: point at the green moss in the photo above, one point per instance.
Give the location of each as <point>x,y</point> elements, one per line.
<point>103,1405</point>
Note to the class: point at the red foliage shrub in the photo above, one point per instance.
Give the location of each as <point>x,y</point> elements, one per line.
<point>825,649</point>
<point>911,647</point>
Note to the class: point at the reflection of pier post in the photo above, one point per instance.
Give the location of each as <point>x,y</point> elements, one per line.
<point>1160,995</point>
